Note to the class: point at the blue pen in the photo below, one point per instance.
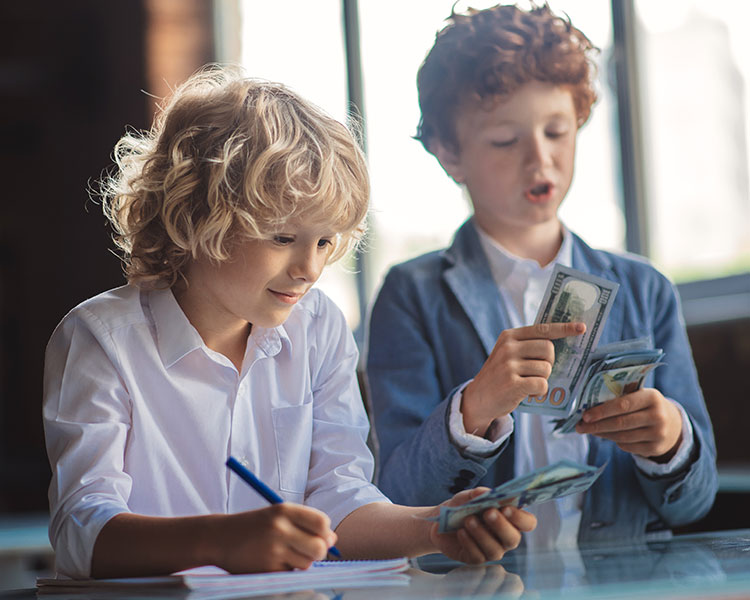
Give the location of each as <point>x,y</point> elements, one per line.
<point>260,487</point>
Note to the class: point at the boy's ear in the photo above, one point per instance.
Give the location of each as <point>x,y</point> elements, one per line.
<point>449,159</point>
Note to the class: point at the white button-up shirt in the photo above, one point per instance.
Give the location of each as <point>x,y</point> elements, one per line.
<point>140,416</point>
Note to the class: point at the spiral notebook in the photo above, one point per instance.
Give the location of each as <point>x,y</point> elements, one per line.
<point>208,582</point>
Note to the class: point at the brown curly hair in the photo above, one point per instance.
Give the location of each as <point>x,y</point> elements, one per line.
<point>485,55</point>
<point>229,159</point>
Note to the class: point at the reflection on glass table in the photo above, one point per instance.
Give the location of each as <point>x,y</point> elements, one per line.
<point>705,565</point>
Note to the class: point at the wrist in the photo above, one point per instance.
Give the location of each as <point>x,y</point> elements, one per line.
<point>475,422</point>
<point>427,532</point>
<point>670,454</point>
<point>208,535</point>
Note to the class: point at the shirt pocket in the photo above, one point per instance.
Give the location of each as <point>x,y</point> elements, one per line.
<point>292,427</point>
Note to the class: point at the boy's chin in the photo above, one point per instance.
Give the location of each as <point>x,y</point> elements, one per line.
<point>271,321</point>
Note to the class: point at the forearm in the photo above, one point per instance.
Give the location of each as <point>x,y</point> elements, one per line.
<point>136,545</point>
<point>422,468</point>
<point>383,530</point>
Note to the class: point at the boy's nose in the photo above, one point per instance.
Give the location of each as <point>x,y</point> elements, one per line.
<point>539,152</point>
<point>307,265</point>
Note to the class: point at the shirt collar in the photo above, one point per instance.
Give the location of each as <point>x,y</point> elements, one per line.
<point>503,262</point>
<point>269,341</point>
<point>176,337</point>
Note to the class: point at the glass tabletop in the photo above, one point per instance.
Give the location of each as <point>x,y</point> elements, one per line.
<point>705,565</point>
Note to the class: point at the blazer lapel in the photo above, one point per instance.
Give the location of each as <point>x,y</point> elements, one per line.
<point>468,275</point>
<point>469,278</point>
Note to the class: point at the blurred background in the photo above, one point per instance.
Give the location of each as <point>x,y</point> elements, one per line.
<point>662,170</point>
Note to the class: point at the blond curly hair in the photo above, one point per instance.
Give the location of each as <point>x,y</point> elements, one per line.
<point>228,159</point>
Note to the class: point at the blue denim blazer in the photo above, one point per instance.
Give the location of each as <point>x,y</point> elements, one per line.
<point>432,326</point>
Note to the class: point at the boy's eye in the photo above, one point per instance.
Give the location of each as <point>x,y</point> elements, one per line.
<point>323,242</point>
<point>504,143</point>
<point>282,240</point>
<point>556,133</point>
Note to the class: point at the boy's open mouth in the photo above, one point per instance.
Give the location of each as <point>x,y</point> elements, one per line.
<point>540,192</point>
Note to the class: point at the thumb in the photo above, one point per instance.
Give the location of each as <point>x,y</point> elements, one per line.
<point>466,495</point>
<point>477,491</point>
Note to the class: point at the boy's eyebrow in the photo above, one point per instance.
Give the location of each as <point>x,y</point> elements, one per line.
<point>550,115</point>
<point>490,125</point>
<point>559,113</point>
<point>502,123</point>
<point>326,233</point>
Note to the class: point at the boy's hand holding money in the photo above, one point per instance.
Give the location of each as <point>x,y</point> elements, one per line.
<point>485,537</point>
<point>517,367</point>
<point>643,422</point>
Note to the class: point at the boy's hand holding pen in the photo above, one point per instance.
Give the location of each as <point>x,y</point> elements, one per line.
<point>295,531</point>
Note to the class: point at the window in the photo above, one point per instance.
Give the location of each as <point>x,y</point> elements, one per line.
<point>694,62</point>
<point>692,67</point>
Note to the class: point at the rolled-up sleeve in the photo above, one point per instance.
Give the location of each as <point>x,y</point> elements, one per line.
<point>341,464</point>
<point>86,419</point>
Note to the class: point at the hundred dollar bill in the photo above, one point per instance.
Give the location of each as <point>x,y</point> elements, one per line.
<point>571,295</point>
<point>606,385</point>
<point>623,347</point>
<point>548,483</point>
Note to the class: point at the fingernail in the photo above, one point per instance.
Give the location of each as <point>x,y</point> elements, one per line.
<point>472,523</point>
<point>507,511</point>
<point>491,516</point>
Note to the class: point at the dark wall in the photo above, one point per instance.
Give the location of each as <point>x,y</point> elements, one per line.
<point>70,79</point>
<point>722,355</point>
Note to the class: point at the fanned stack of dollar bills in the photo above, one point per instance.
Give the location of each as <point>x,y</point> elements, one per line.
<point>613,370</point>
<point>582,375</point>
<point>548,483</point>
